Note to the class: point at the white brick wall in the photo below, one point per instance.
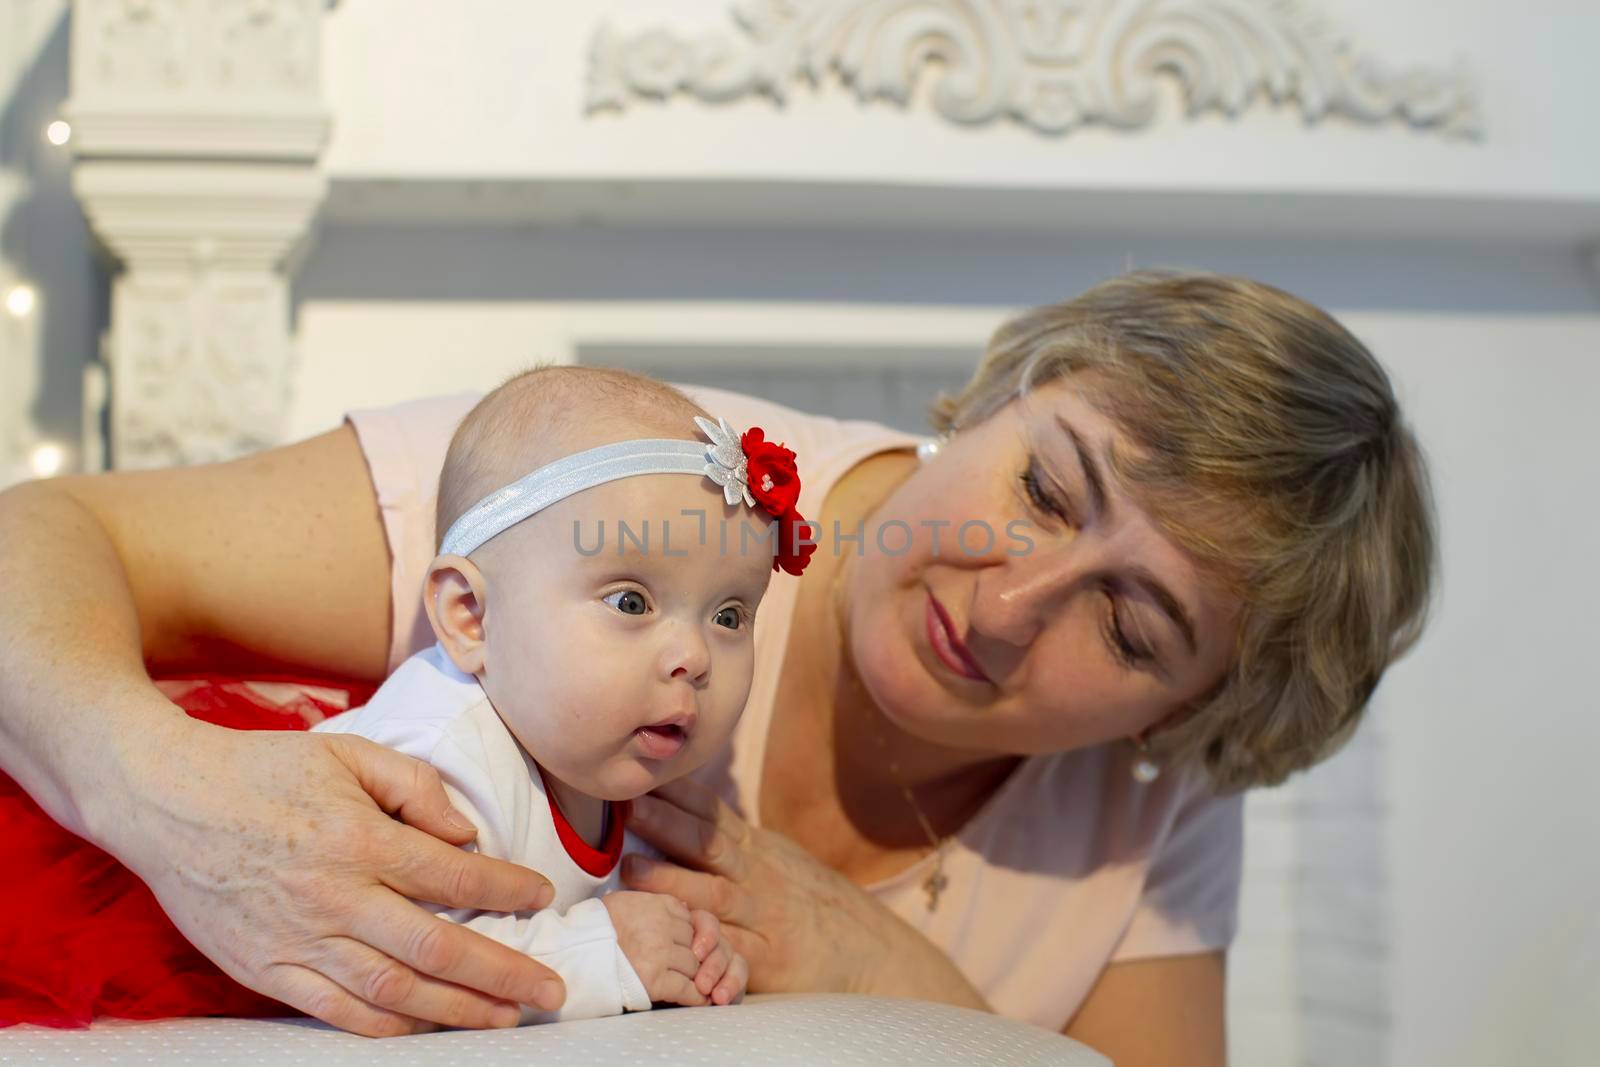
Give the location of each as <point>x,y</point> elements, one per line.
<point>1308,977</point>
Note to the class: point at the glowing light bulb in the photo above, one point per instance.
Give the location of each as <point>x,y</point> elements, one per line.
<point>58,132</point>
<point>47,459</point>
<point>20,301</point>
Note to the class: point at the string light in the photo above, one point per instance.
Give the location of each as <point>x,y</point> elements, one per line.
<point>58,132</point>
<point>47,460</point>
<point>20,301</point>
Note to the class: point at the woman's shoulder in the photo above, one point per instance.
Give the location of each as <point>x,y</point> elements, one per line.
<point>1089,801</point>
<point>824,447</point>
<point>405,444</point>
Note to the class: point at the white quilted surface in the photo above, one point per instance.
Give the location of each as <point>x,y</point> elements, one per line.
<point>808,1030</point>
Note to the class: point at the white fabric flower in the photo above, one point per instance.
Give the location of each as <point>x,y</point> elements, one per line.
<point>725,462</point>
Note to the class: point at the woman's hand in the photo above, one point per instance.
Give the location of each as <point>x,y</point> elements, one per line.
<point>276,855</point>
<point>802,926</point>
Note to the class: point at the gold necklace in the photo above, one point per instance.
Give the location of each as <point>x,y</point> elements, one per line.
<point>936,882</point>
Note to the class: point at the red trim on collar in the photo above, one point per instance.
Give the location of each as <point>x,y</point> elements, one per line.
<point>596,862</point>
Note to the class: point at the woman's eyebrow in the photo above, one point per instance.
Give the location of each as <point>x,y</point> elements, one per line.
<point>1170,605</point>
<point>1091,468</point>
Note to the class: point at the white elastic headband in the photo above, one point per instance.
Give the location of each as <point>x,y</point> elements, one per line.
<point>722,461</point>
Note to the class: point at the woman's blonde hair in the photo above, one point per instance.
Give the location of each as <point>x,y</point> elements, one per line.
<point>1271,447</point>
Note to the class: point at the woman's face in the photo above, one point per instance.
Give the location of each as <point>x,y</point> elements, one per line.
<point>1078,622</point>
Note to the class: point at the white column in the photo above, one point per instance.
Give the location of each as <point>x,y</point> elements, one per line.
<point>197,130</point>
<point>17,369</point>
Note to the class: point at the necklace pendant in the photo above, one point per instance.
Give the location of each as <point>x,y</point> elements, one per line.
<point>933,885</point>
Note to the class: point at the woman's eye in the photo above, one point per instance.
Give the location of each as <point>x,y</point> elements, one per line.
<point>730,618</point>
<point>1126,652</point>
<point>628,601</point>
<point>1041,498</point>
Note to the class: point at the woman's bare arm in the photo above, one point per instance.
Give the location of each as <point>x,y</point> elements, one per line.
<point>272,852</point>
<point>277,558</point>
<point>274,559</point>
<point>1157,1011</point>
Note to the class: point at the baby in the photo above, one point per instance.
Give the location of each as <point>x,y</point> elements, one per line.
<point>594,624</point>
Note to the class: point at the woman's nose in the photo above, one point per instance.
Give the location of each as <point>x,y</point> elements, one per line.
<point>1014,599</point>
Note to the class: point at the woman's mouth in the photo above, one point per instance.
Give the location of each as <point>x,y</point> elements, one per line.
<point>947,646</point>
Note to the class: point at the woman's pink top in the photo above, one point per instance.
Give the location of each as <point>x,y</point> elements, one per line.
<point>1071,865</point>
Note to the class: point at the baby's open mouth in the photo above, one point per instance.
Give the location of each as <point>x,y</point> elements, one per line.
<point>662,740</point>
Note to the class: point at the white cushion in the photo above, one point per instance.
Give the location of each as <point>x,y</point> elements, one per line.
<point>822,1028</point>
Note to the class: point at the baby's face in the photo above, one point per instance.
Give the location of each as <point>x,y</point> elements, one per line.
<point>619,672</point>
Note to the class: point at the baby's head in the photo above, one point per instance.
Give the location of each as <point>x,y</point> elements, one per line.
<point>621,668</point>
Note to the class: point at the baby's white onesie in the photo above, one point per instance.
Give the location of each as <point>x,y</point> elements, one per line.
<point>431,710</point>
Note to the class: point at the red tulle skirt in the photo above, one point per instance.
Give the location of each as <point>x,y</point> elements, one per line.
<point>81,936</point>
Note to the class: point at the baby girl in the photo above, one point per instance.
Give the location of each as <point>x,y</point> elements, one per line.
<point>606,549</point>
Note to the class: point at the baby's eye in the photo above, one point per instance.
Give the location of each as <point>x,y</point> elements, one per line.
<point>628,601</point>
<point>729,617</point>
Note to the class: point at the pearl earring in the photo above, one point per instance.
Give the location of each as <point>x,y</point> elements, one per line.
<point>929,448</point>
<point>1145,768</point>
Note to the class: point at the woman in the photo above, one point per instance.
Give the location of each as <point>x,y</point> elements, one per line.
<point>1175,534</point>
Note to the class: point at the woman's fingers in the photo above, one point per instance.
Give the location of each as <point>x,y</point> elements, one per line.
<point>404,787</point>
<point>686,837</point>
<point>425,868</point>
<point>387,984</point>
<point>413,791</point>
<point>433,947</point>
<point>266,848</point>
<point>726,900</point>
<point>322,998</point>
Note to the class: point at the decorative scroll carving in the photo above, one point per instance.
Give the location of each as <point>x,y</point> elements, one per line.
<point>188,47</point>
<point>266,45</point>
<point>1049,64</point>
<point>200,369</point>
<point>137,45</point>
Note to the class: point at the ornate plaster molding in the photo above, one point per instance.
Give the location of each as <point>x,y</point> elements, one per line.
<point>197,128</point>
<point>225,79</point>
<point>1051,65</point>
<point>160,49</point>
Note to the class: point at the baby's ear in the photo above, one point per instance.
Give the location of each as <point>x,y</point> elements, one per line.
<point>455,597</point>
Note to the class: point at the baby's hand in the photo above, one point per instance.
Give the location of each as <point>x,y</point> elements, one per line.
<point>657,935</point>
<point>723,972</point>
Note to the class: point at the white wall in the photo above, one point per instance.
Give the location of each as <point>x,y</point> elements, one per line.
<point>1495,721</point>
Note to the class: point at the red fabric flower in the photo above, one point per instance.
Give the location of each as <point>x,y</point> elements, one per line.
<point>793,550</point>
<point>773,479</point>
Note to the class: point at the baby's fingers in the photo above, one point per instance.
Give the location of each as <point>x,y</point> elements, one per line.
<point>674,987</point>
<point>731,989</point>
<point>707,932</point>
<point>712,968</point>
<point>682,962</point>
